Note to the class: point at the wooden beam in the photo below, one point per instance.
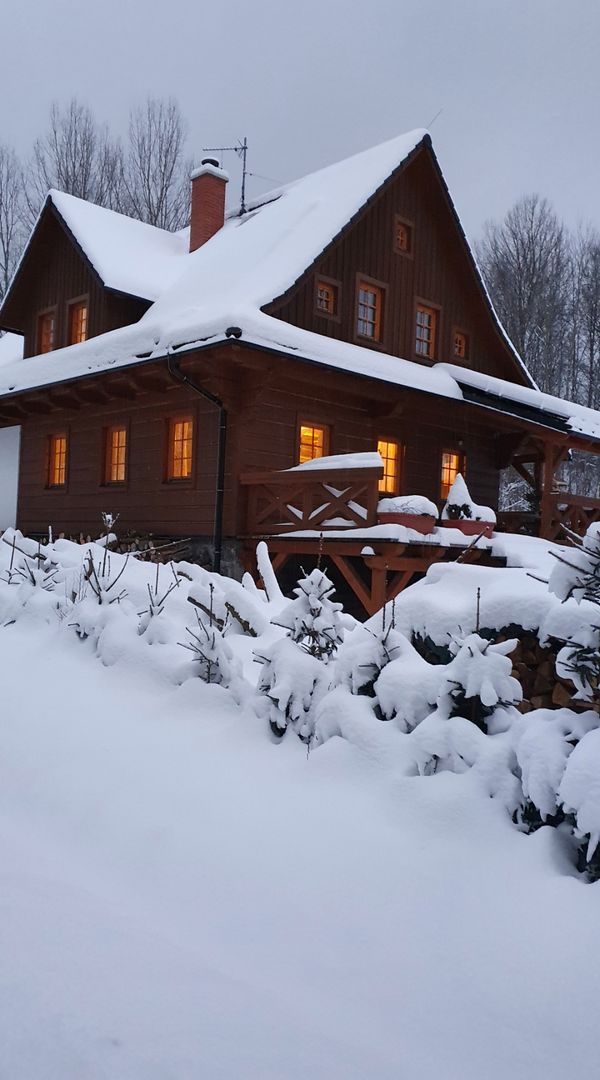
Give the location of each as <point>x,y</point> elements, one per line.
<point>353,580</point>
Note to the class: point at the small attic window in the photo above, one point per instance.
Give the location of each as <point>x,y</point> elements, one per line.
<point>460,345</point>
<point>78,321</point>
<point>46,331</point>
<point>403,236</point>
<point>327,298</point>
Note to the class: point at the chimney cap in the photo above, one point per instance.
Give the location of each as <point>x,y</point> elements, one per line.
<point>210,167</point>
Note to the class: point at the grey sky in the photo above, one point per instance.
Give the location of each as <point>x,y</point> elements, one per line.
<point>309,82</point>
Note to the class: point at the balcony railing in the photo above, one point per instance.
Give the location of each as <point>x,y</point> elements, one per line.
<point>313,499</point>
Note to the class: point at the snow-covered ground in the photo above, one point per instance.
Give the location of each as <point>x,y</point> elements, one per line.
<point>183,897</point>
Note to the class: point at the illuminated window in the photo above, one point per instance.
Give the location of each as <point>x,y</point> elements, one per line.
<point>368,322</point>
<point>426,326</point>
<point>181,439</point>
<point>57,461</point>
<point>390,452</point>
<point>402,237</point>
<point>453,463</point>
<point>46,332</point>
<point>314,442</point>
<point>116,455</point>
<point>78,317</point>
<point>327,298</point>
<point>460,345</point>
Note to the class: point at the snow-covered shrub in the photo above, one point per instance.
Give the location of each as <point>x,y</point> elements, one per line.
<point>478,680</point>
<point>407,688</point>
<point>363,655</point>
<point>313,620</point>
<point>576,576</point>
<point>296,671</point>
<point>293,682</point>
<point>210,649</point>
<point>579,793</point>
<point>150,624</point>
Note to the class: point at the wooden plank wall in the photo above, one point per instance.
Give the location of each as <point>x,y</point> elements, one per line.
<point>438,271</point>
<point>54,274</point>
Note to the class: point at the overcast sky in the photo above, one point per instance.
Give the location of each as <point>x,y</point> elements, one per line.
<point>311,81</point>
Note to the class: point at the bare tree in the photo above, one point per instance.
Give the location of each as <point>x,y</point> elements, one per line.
<point>75,155</point>
<point>156,174</point>
<point>11,215</point>
<point>525,261</point>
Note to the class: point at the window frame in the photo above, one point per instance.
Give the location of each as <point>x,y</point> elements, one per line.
<point>73,302</point>
<point>51,438</point>
<point>459,330</point>
<point>170,422</point>
<point>462,459</point>
<point>408,253</point>
<point>380,287</point>
<point>435,309</point>
<point>106,463</point>
<point>305,421</point>
<point>389,438</point>
<point>336,285</point>
<point>41,315</point>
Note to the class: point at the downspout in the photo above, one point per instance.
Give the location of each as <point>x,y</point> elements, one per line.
<point>176,373</point>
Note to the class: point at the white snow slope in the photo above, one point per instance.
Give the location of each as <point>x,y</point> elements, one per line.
<point>180,898</point>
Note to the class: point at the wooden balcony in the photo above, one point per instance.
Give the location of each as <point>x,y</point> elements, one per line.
<point>296,500</point>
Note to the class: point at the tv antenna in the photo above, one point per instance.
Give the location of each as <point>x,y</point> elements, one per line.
<point>241,149</point>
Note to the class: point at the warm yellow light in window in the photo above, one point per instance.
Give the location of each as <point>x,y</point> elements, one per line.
<point>313,442</point>
<point>452,464</point>
<point>182,433</point>
<point>57,465</point>
<point>116,455</point>
<point>390,452</point>
<point>78,314</point>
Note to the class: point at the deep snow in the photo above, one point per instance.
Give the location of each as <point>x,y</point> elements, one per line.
<point>183,898</point>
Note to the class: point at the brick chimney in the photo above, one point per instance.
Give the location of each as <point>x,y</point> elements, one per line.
<point>208,202</point>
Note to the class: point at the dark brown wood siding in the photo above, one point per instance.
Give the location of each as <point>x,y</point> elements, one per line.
<point>54,274</point>
<point>437,271</point>
<point>265,404</point>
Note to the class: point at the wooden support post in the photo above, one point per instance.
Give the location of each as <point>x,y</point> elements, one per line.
<point>546,492</point>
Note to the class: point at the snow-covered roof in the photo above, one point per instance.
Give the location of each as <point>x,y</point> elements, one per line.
<point>252,260</point>
<point>11,348</point>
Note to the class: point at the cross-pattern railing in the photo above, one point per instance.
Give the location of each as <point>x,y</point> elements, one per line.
<point>318,500</point>
<point>576,512</point>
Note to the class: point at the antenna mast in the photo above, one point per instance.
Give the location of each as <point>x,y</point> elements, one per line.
<point>241,149</point>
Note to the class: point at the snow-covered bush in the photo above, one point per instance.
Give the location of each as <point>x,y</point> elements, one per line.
<point>313,620</point>
<point>292,682</point>
<point>576,576</point>
<point>478,680</point>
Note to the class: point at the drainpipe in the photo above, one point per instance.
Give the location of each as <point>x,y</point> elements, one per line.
<point>176,373</point>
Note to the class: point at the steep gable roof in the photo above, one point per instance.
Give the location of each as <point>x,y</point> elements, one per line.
<point>128,256</point>
<point>255,258</point>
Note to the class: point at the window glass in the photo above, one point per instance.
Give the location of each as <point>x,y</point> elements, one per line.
<point>78,317</point>
<point>57,461</point>
<point>181,434</point>
<point>425,331</point>
<point>390,453</point>
<point>46,332</point>
<point>453,463</point>
<point>116,454</point>
<point>327,298</point>
<point>460,345</point>
<point>368,322</point>
<point>314,442</point>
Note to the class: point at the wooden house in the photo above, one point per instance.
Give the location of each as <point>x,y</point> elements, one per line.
<point>176,379</point>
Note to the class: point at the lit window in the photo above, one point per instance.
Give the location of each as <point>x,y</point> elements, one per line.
<point>368,323</point>
<point>46,332</point>
<point>453,463</point>
<point>116,454</point>
<point>181,437</point>
<point>314,442</point>
<point>402,237</point>
<point>78,314</point>
<point>460,348</point>
<point>390,453</point>
<point>426,327</point>
<point>57,461</point>
<point>327,298</point>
